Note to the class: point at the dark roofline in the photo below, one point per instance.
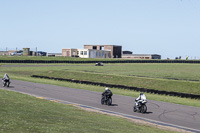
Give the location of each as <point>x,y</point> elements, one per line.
<point>102,45</point>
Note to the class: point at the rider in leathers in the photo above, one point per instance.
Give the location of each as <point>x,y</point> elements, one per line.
<point>6,78</point>
<point>141,98</point>
<point>107,93</point>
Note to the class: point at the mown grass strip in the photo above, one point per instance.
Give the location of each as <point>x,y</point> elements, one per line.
<point>140,82</point>
<point>23,113</point>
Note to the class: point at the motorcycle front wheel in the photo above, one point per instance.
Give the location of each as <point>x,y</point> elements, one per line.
<point>134,109</point>
<point>109,102</point>
<point>143,109</point>
<point>102,101</point>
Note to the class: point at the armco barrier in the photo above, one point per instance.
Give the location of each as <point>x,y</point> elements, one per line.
<point>113,61</point>
<point>178,94</point>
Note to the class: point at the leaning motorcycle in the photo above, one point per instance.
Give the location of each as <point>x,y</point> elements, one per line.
<point>106,100</point>
<point>142,108</point>
<point>6,82</point>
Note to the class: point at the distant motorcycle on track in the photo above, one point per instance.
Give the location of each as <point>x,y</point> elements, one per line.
<point>141,107</point>
<point>106,100</point>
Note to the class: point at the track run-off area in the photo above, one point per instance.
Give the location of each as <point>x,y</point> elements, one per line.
<point>159,113</point>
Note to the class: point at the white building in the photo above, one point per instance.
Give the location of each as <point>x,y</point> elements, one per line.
<point>86,53</point>
<point>92,53</point>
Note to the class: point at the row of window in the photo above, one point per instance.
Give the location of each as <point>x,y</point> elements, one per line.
<point>85,53</point>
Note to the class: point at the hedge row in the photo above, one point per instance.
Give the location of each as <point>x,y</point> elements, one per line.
<point>178,94</point>
<point>113,61</point>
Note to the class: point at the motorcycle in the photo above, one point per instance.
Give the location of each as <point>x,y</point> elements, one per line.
<point>142,108</point>
<point>106,100</point>
<point>99,64</point>
<point>6,82</point>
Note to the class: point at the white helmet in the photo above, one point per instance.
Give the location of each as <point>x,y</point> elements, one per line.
<point>106,88</point>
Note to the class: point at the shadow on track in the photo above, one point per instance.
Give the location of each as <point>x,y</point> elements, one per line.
<point>148,113</point>
<point>114,105</point>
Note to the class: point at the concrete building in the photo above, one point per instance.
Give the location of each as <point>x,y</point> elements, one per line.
<point>54,54</point>
<point>115,50</point>
<point>4,53</point>
<point>141,56</point>
<point>69,52</point>
<point>92,53</point>
<point>86,53</point>
<point>26,51</point>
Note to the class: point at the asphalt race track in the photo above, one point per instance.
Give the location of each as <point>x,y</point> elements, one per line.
<point>174,115</point>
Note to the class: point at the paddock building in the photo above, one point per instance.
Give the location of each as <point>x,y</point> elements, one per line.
<point>115,50</point>
<point>95,51</point>
<point>86,53</point>
<point>141,56</point>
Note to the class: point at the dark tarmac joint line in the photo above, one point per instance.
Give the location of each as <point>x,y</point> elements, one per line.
<point>160,113</point>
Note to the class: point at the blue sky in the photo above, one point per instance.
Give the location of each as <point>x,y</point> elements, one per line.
<point>170,28</point>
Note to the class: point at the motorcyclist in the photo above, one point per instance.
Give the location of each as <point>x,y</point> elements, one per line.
<point>6,78</point>
<point>107,93</point>
<point>141,98</point>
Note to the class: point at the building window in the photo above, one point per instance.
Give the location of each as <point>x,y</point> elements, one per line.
<point>94,47</point>
<point>77,52</point>
<point>101,47</point>
<point>85,52</point>
<point>81,52</point>
<point>99,54</point>
<point>103,53</point>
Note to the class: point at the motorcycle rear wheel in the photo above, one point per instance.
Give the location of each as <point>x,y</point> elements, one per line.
<point>8,84</point>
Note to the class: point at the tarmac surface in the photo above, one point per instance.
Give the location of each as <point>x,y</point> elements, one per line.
<point>161,113</point>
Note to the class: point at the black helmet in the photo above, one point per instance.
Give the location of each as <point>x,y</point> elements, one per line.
<point>141,93</point>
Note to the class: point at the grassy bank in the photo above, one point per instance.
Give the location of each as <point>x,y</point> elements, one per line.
<point>157,84</point>
<point>23,113</point>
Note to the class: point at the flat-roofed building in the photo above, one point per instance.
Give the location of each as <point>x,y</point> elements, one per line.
<point>115,50</point>
<point>54,54</point>
<point>141,56</point>
<point>86,53</point>
<point>92,53</point>
<point>4,53</point>
<point>69,52</point>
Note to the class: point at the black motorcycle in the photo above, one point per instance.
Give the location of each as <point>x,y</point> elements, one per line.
<point>99,64</point>
<point>6,82</point>
<point>106,100</point>
<point>142,108</point>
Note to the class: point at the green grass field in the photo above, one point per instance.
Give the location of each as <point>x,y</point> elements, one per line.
<point>116,73</point>
<point>151,76</point>
<point>20,113</point>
